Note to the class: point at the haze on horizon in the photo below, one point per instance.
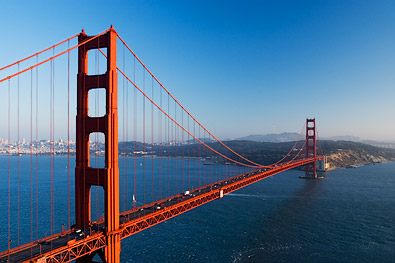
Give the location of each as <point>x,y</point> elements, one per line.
<point>244,67</point>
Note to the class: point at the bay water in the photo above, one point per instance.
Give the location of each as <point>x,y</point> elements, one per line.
<point>349,216</point>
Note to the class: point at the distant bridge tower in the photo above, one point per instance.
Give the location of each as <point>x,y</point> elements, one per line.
<point>311,149</point>
<point>86,176</point>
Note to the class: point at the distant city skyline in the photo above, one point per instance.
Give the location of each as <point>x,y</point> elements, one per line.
<point>241,68</point>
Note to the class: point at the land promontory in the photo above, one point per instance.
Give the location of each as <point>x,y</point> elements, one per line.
<point>340,154</point>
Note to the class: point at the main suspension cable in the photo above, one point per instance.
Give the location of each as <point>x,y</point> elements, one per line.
<point>55,56</point>
<point>38,53</point>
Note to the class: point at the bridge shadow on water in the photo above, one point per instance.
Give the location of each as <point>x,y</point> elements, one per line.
<point>285,229</point>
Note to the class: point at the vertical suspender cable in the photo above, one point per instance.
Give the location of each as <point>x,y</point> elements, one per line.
<point>219,168</point>
<point>204,167</point>
<point>52,124</point>
<point>144,137</point>
<point>127,139</point>
<point>204,152</point>
<point>215,179</point>
<point>31,160</point>
<point>37,151</point>
<point>68,137</point>
<point>168,146</point>
<point>194,155</point>
<point>9,166</point>
<point>175,149</point>
<point>18,158</point>
<point>50,136</point>
<point>160,146</point>
<point>53,146</point>
<point>152,144</point>
<point>134,133</point>
<point>175,152</point>
<point>123,131</point>
<point>164,152</point>
<point>182,146</point>
<point>225,169</point>
<point>210,179</point>
<point>200,157</point>
<point>127,146</point>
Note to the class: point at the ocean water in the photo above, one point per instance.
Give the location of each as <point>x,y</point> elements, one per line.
<point>349,216</point>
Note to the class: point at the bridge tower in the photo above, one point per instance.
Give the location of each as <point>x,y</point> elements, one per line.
<point>311,149</point>
<point>86,176</point>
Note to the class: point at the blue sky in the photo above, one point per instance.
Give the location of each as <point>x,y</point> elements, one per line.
<point>242,67</point>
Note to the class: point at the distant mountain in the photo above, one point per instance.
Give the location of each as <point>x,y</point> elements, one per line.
<point>343,138</point>
<point>282,137</point>
<point>382,144</point>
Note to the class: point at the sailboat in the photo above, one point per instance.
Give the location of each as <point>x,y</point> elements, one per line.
<point>134,202</point>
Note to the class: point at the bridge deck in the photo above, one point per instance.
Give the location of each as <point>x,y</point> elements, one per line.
<point>72,244</point>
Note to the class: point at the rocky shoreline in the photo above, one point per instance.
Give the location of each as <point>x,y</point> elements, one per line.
<point>353,159</point>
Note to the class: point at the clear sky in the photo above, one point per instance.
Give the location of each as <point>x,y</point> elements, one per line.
<point>242,67</point>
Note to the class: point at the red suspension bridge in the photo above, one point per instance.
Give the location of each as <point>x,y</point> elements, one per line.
<point>166,163</point>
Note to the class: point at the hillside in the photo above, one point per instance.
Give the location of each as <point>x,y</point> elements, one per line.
<point>351,154</point>
<point>340,153</point>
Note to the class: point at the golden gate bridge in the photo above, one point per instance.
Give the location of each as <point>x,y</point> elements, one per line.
<point>161,167</point>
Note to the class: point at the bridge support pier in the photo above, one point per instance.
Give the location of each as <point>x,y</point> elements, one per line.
<point>86,176</point>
